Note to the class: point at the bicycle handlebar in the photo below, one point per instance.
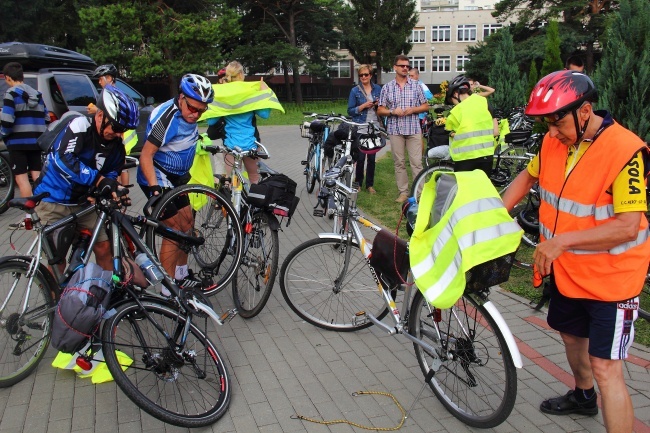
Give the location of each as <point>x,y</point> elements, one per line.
<point>253,153</point>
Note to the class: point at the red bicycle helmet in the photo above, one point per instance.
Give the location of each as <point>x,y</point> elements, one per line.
<point>559,93</point>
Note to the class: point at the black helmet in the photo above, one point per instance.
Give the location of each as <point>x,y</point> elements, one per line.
<point>102,70</point>
<point>457,83</point>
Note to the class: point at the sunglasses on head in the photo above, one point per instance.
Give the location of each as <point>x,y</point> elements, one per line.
<point>364,75</point>
<point>193,109</point>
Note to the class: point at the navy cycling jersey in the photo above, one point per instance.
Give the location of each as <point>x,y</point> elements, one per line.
<point>176,140</point>
<point>76,162</point>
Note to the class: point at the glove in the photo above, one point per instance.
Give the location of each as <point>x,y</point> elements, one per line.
<point>107,186</point>
<point>155,189</point>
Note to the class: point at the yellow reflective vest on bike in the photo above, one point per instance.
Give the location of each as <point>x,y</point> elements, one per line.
<point>473,129</point>
<point>240,97</point>
<point>461,223</point>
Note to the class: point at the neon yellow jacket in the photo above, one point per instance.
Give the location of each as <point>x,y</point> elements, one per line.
<point>461,223</point>
<point>240,97</point>
<point>130,139</point>
<point>474,129</point>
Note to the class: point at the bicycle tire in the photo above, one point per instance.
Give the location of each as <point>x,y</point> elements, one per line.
<point>310,168</point>
<point>16,361</point>
<point>216,220</point>
<point>424,176</point>
<point>476,380</point>
<point>307,280</point>
<point>644,300</point>
<point>258,268</point>
<point>165,384</point>
<point>7,184</point>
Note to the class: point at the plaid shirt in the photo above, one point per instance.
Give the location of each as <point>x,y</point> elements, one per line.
<point>393,96</point>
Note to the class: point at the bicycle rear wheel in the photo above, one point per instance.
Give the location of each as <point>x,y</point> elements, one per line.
<point>424,176</point>
<point>210,216</point>
<point>476,379</point>
<point>6,184</point>
<point>255,276</point>
<point>188,388</point>
<point>309,278</point>
<point>644,300</point>
<point>310,169</point>
<point>24,338</point>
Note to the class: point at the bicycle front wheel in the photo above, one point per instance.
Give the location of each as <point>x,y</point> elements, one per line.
<point>255,276</point>
<point>186,388</point>
<point>424,176</point>
<point>644,299</point>
<point>6,184</point>
<point>198,211</point>
<point>24,336</point>
<point>310,169</point>
<point>314,288</point>
<point>475,376</point>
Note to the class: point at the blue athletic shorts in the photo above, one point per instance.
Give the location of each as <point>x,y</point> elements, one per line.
<point>609,326</point>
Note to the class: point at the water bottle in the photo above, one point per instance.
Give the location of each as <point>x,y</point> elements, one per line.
<point>152,273</point>
<point>78,254</point>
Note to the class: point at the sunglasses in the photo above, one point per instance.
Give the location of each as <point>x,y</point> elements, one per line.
<point>117,128</point>
<point>194,109</point>
<point>364,75</point>
<point>403,66</point>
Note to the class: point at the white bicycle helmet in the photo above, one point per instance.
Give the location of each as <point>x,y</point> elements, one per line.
<point>197,87</point>
<point>371,142</point>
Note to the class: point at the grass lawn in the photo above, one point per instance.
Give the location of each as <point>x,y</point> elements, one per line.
<point>382,209</point>
<point>293,113</point>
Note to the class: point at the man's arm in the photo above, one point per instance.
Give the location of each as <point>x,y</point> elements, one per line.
<point>146,162</point>
<point>518,189</point>
<point>7,116</point>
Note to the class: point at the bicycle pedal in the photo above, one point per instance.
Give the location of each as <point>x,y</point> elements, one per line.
<point>228,315</point>
<point>319,213</point>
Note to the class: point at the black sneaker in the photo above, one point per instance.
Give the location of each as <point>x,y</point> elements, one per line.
<point>194,281</point>
<point>568,404</point>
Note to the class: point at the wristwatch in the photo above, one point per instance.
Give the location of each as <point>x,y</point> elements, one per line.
<point>391,112</point>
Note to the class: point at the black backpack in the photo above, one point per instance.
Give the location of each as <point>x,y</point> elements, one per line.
<point>54,131</point>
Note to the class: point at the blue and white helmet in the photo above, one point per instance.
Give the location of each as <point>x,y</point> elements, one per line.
<point>119,107</point>
<point>197,87</point>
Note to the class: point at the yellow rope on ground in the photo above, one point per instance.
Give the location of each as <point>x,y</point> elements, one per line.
<point>344,421</point>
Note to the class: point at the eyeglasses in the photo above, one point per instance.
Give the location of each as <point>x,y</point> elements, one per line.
<point>553,119</point>
<point>364,75</point>
<point>403,66</point>
<point>117,128</point>
<point>194,109</point>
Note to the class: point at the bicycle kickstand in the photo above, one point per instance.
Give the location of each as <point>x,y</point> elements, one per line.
<point>427,381</point>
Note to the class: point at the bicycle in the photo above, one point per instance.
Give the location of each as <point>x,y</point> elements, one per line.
<point>467,353</point>
<point>255,276</point>
<point>174,371</point>
<point>7,183</point>
<point>317,132</point>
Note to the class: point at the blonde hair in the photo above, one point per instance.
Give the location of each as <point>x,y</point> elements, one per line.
<point>364,66</point>
<point>233,72</point>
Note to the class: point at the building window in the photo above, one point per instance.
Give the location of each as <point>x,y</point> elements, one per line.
<point>441,63</point>
<point>279,69</point>
<point>418,62</point>
<point>339,69</point>
<point>488,29</point>
<point>418,36</point>
<point>461,61</point>
<point>467,33</point>
<point>440,33</point>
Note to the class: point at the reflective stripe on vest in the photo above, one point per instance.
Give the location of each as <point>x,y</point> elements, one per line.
<point>641,237</point>
<point>577,209</point>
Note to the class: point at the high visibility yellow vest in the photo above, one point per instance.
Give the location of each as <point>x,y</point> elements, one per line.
<point>98,373</point>
<point>201,172</point>
<point>130,139</point>
<point>461,223</point>
<point>240,97</point>
<point>474,129</point>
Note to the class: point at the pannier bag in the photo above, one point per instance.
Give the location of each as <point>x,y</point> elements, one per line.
<point>81,308</point>
<point>390,258</point>
<point>276,193</point>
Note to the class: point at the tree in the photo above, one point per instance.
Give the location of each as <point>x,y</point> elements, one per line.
<point>147,38</point>
<point>533,78</point>
<point>378,30</point>
<point>583,21</point>
<point>552,61</point>
<point>505,76</point>
<point>623,74</point>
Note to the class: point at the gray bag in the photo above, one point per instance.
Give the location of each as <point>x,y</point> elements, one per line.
<point>81,308</point>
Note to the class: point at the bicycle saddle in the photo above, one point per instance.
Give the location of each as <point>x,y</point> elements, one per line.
<point>28,203</point>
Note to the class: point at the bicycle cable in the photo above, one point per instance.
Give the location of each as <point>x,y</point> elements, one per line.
<point>354,424</point>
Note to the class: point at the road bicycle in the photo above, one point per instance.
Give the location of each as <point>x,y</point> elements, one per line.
<point>467,353</point>
<point>317,131</point>
<point>174,371</point>
<point>258,267</point>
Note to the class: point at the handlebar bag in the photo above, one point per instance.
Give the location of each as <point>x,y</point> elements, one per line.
<point>81,308</point>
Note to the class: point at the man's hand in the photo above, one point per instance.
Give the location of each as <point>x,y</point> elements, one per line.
<point>155,190</point>
<point>107,186</point>
<point>546,252</point>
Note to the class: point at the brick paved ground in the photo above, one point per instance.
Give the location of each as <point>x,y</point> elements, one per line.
<point>281,366</point>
